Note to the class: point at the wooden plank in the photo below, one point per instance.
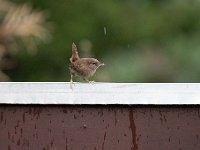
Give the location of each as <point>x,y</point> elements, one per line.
<point>99,93</point>
<point>89,127</point>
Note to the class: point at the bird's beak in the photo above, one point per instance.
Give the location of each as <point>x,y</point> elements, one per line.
<point>102,64</point>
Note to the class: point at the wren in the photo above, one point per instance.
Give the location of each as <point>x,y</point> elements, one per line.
<point>82,67</point>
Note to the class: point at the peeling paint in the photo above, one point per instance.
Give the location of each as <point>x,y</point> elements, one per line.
<point>133,130</point>
<point>104,138</point>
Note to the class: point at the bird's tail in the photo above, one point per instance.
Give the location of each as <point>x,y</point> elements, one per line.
<point>75,55</point>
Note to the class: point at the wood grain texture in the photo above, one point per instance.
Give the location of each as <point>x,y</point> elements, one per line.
<point>64,127</point>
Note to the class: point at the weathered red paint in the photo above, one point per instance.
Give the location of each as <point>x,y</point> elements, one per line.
<point>36,127</point>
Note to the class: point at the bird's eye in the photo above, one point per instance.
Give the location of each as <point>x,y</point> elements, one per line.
<point>94,63</point>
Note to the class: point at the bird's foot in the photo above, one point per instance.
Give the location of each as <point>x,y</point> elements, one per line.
<point>89,81</point>
<point>72,84</point>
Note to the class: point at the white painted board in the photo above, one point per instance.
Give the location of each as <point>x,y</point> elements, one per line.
<point>99,93</point>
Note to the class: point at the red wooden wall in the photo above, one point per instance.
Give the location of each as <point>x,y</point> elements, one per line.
<point>111,127</point>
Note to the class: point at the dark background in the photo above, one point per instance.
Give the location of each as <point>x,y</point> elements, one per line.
<point>138,40</point>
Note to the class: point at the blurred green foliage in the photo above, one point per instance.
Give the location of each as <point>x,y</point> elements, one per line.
<point>138,40</point>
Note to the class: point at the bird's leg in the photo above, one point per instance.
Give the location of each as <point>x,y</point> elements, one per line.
<point>71,82</point>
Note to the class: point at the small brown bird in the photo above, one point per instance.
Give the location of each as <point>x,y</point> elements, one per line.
<point>82,67</point>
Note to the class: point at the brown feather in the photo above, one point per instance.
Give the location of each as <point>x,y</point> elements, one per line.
<point>75,55</point>
<point>82,67</point>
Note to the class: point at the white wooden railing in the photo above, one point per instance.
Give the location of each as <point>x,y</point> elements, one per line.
<point>99,93</point>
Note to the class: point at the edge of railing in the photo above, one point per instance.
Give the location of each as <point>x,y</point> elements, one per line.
<point>99,93</point>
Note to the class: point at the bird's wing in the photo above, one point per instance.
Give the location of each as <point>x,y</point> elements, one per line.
<point>81,68</point>
<point>81,65</point>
